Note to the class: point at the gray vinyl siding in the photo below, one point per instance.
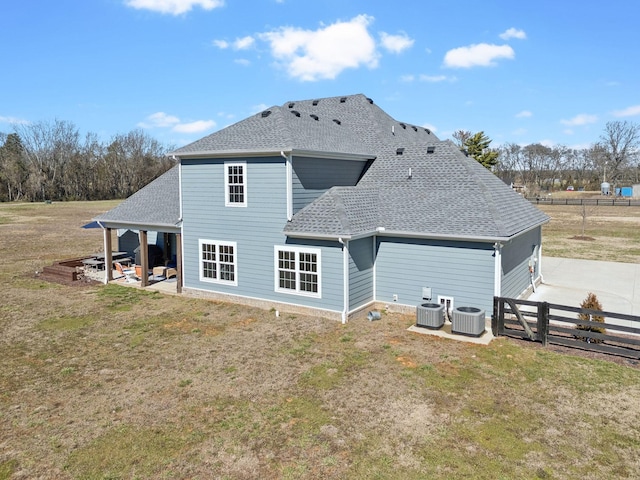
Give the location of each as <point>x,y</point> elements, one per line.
<point>128,242</point>
<point>255,228</point>
<point>464,271</point>
<point>360,272</point>
<point>515,263</point>
<point>314,176</point>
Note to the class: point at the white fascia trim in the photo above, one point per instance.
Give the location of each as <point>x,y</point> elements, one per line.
<point>403,234</point>
<point>231,153</point>
<point>361,157</point>
<point>156,227</point>
<point>358,157</point>
<point>317,236</point>
<point>427,236</point>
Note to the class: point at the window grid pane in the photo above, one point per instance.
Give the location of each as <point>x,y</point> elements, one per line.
<point>298,271</point>
<point>287,269</point>
<point>209,267</point>
<point>235,180</point>
<point>218,262</point>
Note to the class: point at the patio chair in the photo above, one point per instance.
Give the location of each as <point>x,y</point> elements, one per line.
<point>129,274</point>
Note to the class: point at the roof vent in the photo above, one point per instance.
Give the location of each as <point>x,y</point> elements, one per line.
<point>428,131</point>
<point>369,100</point>
<point>415,129</point>
<point>315,117</point>
<point>399,151</point>
<point>266,113</point>
<point>315,102</point>
<point>336,121</point>
<point>296,113</point>
<point>403,125</point>
<point>343,99</point>
<point>291,104</point>
<point>431,149</point>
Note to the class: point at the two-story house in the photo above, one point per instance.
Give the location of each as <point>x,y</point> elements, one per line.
<point>330,206</point>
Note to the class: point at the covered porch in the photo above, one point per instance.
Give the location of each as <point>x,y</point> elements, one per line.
<point>161,259</point>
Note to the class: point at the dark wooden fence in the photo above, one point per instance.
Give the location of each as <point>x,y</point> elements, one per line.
<point>549,323</point>
<point>604,202</point>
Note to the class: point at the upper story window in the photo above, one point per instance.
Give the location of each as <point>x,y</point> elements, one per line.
<point>235,183</point>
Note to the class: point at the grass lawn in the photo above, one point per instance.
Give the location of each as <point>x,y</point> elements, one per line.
<point>111,382</point>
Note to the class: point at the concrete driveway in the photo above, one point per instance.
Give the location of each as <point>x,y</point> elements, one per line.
<point>567,281</point>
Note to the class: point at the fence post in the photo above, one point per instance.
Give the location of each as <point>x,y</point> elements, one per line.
<point>497,319</point>
<point>543,323</point>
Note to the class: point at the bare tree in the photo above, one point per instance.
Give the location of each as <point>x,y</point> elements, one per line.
<point>461,137</point>
<point>617,150</point>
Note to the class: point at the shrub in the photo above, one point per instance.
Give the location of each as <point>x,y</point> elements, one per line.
<point>591,303</point>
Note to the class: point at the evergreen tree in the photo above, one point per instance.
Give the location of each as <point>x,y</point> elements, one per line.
<point>477,146</point>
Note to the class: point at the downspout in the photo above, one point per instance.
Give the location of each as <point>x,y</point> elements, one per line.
<point>289,175</point>
<point>497,276</point>
<point>345,276</point>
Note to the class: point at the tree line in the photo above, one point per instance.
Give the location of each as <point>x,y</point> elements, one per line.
<point>54,161</point>
<point>614,158</point>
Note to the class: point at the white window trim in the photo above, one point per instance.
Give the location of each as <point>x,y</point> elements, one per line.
<point>298,251</point>
<point>218,243</point>
<point>227,203</point>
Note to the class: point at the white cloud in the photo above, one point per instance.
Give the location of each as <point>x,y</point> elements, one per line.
<point>430,127</point>
<point>435,78</point>
<point>221,44</point>
<point>173,7</point>
<point>195,127</point>
<point>407,78</point>
<point>244,43</point>
<point>163,120</point>
<point>628,112</point>
<point>311,55</point>
<point>13,120</point>
<point>159,120</point>
<point>478,55</point>
<point>396,43</point>
<point>581,119</point>
<point>242,61</point>
<point>259,108</point>
<point>524,114</point>
<point>513,33</point>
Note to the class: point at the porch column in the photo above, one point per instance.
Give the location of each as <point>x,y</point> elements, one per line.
<point>179,262</point>
<point>108,260</point>
<point>144,258</point>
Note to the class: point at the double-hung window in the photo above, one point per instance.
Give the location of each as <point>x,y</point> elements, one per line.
<point>235,184</point>
<point>298,270</point>
<point>218,262</point>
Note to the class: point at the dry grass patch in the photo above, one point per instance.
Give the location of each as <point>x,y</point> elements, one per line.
<point>117,382</point>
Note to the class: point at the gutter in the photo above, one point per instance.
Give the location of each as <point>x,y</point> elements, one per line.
<point>383,232</point>
<point>362,157</point>
<point>139,226</point>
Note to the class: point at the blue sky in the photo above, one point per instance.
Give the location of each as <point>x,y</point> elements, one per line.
<point>550,71</point>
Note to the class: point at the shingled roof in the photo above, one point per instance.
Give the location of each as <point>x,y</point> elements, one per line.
<point>157,205</point>
<point>416,185</point>
<point>351,125</point>
<point>442,194</point>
